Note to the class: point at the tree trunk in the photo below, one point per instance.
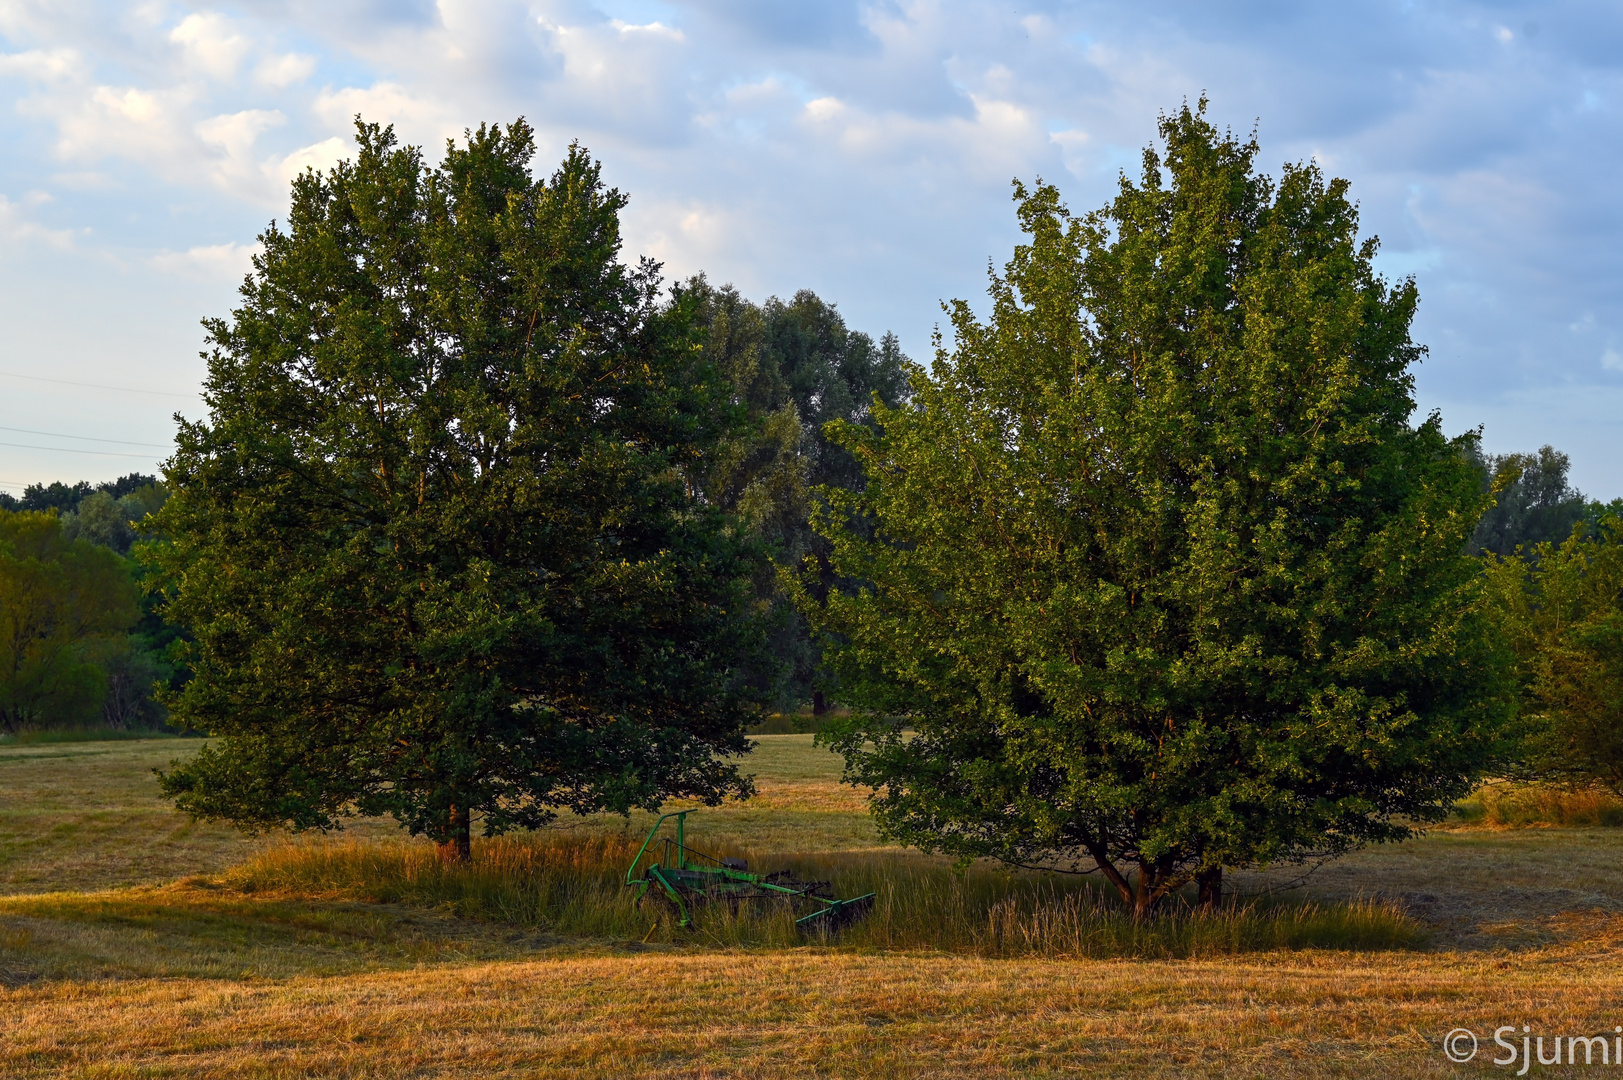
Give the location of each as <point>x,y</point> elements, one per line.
<point>819,705</point>
<point>457,844</point>
<point>1210,883</point>
<point>1143,898</point>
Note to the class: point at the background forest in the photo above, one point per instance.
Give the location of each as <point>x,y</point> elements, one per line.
<point>83,645</point>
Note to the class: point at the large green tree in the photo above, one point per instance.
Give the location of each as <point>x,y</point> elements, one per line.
<point>1163,579</point>
<point>439,541</point>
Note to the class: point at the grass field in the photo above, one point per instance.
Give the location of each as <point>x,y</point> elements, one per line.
<point>134,943</point>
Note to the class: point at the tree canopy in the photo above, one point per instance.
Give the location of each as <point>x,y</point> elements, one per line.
<point>439,539</point>
<point>1162,577</point>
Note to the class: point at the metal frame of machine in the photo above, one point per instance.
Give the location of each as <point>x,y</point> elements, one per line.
<point>687,879</point>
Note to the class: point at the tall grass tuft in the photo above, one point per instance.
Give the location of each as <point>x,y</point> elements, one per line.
<point>573,885</point>
<point>1508,806</point>
<point>570,885</point>
<point>922,903</point>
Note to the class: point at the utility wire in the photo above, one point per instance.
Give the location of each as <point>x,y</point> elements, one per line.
<point>98,386</point>
<point>71,450</point>
<point>87,438</point>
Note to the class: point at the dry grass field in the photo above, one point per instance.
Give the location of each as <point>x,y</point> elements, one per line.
<point>134,943</point>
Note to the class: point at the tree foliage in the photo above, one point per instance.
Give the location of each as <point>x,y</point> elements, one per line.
<point>794,366</point>
<point>439,540</point>
<point>65,606</point>
<point>1163,578</point>
<point>1561,607</point>
<point>113,521</point>
<point>1535,503</point>
<point>55,496</point>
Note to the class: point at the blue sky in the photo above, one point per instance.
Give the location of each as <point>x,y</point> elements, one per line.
<point>864,150</point>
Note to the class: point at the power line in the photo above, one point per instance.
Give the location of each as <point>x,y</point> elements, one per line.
<point>98,386</point>
<point>70,450</point>
<point>86,438</point>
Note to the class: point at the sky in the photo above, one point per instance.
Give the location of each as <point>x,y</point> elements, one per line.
<point>862,150</point>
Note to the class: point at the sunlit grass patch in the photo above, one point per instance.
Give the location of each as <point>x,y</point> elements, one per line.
<point>1507,805</point>
<point>565,883</point>
<point>192,931</point>
<point>573,885</point>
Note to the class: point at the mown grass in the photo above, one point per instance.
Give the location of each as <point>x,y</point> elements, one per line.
<point>782,1014</point>
<point>575,886</point>
<point>198,930</point>
<point>1508,806</point>
<point>87,816</point>
<point>327,970</point>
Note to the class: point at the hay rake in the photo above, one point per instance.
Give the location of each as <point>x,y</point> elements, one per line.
<point>687,879</point>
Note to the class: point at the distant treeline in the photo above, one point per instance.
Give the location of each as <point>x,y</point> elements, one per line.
<point>81,643</point>
<point>100,513</point>
<point>1537,503</point>
<point>794,366</point>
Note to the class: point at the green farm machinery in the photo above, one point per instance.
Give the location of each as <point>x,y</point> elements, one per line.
<point>687,880</point>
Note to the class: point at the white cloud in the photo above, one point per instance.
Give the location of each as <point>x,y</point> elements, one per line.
<point>213,261</point>
<point>16,230</point>
<point>234,134</point>
<point>43,65</point>
<point>210,44</point>
<point>319,156</point>
<point>1073,146</point>
<point>233,164</point>
<point>154,130</point>
<point>768,90</point>
<point>622,80</point>
<point>416,118</point>
<point>1611,360</point>
<point>85,180</point>
<point>278,72</point>
<point>653,29</point>
<point>825,110</point>
<point>693,235</point>
<point>147,126</point>
<point>999,140</point>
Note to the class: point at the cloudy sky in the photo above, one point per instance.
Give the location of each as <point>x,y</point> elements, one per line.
<point>864,150</point>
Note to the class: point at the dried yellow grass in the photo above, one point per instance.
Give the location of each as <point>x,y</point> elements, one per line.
<point>796,1014</point>
<point>200,979</point>
<point>1509,806</point>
